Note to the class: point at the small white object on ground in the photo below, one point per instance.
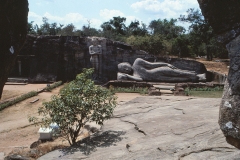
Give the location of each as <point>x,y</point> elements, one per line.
<point>45,133</point>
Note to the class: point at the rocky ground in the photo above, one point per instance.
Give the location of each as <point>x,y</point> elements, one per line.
<point>160,127</point>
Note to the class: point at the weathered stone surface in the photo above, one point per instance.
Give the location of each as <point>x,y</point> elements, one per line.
<point>166,127</point>
<point>224,18</point>
<point>229,120</point>
<point>1,155</point>
<point>13,30</point>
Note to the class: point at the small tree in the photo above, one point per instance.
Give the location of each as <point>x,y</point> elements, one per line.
<point>78,102</point>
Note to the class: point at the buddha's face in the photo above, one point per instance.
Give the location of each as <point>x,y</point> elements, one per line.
<point>125,68</point>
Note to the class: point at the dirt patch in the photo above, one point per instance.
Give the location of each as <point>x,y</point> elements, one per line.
<point>15,130</point>
<point>216,65</point>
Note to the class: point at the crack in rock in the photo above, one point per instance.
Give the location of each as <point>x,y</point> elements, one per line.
<point>128,146</point>
<point>179,100</point>
<point>136,127</point>
<point>125,115</point>
<point>202,133</point>
<point>185,130</point>
<point>215,149</point>
<point>180,110</point>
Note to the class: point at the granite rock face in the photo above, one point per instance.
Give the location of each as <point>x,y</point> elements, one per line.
<point>156,127</point>
<point>13,30</point>
<point>224,18</point>
<point>53,58</point>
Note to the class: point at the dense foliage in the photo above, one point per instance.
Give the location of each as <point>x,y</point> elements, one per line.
<point>78,102</point>
<point>161,37</point>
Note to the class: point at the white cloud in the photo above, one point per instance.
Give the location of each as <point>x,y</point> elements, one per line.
<point>34,17</point>
<point>53,18</point>
<point>75,18</point>
<point>164,8</point>
<point>108,14</point>
<point>94,23</point>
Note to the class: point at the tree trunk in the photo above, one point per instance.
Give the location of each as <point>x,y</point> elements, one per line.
<point>13,31</point>
<point>209,54</point>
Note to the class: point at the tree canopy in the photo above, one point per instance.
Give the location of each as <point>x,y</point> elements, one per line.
<point>160,37</point>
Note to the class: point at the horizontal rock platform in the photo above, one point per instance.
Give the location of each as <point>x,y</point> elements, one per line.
<point>156,127</point>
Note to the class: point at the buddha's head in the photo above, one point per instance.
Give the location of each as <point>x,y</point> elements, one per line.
<point>125,67</point>
<point>94,41</point>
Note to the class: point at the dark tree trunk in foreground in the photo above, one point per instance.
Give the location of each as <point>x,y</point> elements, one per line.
<point>13,30</point>
<point>223,16</point>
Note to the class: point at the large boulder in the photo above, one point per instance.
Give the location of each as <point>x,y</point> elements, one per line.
<point>13,30</point>
<point>224,18</point>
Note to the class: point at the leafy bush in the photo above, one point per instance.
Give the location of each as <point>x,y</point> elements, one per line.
<point>152,44</point>
<point>78,102</point>
<point>18,99</point>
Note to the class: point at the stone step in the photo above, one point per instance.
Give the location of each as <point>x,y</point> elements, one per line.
<point>17,80</point>
<point>164,87</point>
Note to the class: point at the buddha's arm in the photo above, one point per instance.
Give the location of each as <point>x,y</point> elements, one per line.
<point>134,78</point>
<point>123,76</point>
<point>150,65</point>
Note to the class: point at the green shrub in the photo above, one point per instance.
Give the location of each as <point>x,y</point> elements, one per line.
<point>78,102</point>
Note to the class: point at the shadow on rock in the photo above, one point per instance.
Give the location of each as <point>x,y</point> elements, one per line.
<point>90,144</point>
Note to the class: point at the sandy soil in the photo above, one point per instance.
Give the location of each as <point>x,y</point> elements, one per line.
<point>15,130</point>
<point>12,91</point>
<point>215,65</point>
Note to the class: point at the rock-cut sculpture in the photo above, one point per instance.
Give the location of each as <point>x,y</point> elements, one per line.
<point>157,71</point>
<point>95,51</point>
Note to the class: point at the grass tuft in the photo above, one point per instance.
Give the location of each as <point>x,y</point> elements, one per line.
<point>28,95</point>
<point>18,99</point>
<point>52,86</point>
<point>205,92</point>
<point>140,90</point>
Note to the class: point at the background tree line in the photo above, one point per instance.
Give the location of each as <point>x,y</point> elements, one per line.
<point>160,37</point>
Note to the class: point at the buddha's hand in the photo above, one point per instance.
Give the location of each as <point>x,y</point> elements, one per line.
<point>171,66</point>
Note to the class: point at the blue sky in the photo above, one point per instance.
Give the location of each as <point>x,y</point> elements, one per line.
<point>80,12</point>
